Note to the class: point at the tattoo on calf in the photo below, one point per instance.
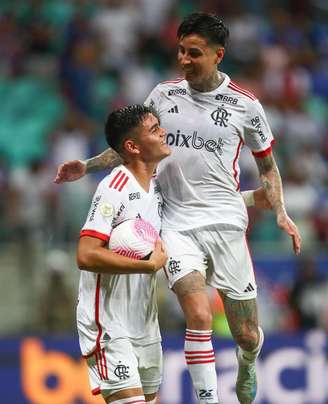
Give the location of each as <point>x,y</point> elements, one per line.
<point>243,321</point>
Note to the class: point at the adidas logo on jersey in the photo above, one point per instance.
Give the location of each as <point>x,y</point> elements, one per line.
<point>249,288</point>
<point>173,110</point>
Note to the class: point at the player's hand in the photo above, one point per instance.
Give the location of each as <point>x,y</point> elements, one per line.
<point>70,171</point>
<point>260,199</point>
<point>158,257</point>
<point>289,227</point>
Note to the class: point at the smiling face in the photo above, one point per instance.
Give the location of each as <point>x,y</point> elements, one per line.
<point>198,59</point>
<point>149,141</point>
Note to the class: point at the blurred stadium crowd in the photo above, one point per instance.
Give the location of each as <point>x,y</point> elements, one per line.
<point>64,64</point>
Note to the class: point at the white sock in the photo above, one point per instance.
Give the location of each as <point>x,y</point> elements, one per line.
<point>130,400</point>
<point>200,359</point>
<point>250,356</point>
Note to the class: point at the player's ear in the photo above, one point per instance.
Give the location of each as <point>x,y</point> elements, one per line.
<point>219,54</point>
<point>130,146</point>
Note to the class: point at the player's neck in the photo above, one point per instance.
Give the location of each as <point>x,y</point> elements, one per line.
<point>210,84</point>
<point>142,172</point>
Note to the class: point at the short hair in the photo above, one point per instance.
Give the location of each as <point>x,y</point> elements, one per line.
<point>208,26</point>
<point>121,121</point>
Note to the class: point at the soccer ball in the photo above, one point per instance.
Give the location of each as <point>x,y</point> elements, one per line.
<point>133,238</point>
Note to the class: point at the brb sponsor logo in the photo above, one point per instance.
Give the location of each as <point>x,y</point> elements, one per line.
<point>134,195</point>
<point>256,123</point>
<point>177,91</point>
<point>197,142</point>
<point>227,99</point>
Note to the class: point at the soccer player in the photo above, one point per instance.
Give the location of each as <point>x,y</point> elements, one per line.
<point>208,119</point>
<point>117,309</point>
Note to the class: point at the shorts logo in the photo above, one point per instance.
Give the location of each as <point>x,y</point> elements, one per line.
<point>249,288</point>
<point>204,394</point>
<point>220,116</point>
<point>174,110</point>
<point>122,371</point>
<point>174,266</point>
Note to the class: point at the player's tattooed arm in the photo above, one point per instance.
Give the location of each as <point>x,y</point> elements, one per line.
<point>107,159</point>
<point>76,169</point>
<point>272,185</point>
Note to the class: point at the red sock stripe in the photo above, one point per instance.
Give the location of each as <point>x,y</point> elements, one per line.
<point>200,362</point>
<point>196,334</point>
<point>198,352</point>
<point>198,339</point>
<point>200,356</point>
<point>199,335</point>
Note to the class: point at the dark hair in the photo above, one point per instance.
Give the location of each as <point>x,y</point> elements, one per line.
<point>121,121</point>
<point>208,26</point>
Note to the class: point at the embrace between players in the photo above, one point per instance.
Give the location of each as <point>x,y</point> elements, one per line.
<point>202,217</point>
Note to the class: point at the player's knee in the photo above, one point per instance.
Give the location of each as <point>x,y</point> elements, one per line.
<point>200,318</point>
<point>248,341</point>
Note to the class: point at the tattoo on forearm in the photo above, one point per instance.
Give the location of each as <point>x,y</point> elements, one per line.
<point>271,181</point>
<point>243,321</point>
<point>107,159</point>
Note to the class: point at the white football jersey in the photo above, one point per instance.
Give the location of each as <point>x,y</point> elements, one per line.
<point>113,306</point>
<point>206,131</point>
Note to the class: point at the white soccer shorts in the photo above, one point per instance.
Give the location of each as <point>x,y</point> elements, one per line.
<point>220,255</point>
<point>121,365</point>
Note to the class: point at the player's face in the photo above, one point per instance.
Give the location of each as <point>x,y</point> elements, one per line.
<point>151,140</point>
<point>197,59</point>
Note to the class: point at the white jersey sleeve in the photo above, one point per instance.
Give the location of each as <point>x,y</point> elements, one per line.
<point>107,204</point>
<point>257,133</point>
<point>153,99</point>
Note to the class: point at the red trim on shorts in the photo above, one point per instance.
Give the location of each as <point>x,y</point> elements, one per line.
<point>235,172</point>
<point>233,86</point>
<point>105,364</point>
<point>95,234</point>
<point>96,391</point>
<point>266,151</point>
